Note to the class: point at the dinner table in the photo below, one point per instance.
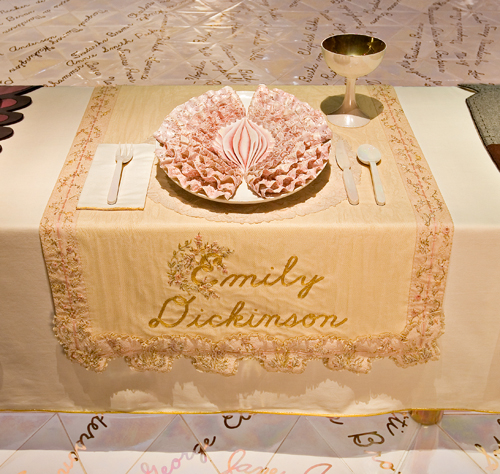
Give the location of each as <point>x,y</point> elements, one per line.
<point>307,304</point>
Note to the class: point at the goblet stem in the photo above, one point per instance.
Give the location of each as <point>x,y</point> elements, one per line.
<point>349,103</point>
<point>349,114</point>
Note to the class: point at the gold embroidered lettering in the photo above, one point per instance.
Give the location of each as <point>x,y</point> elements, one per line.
<point>212,318</point>
<point>244,279</point>
<point>239,320</point>
<point>208,321</point>
<point>292,261</point>
<point>333,318</point>
<point>338,324</point>
<point>194,322</point>
<point>250,320</point>
<point>290,322</point>
<point>207,266</point>
<point>270,318</point>
<point>234,317</point>
<point>327,317</point>
<point>232,279</point>
<point>313,320</point>
<point>178,300</point>
<point>264,280</point>
<point>307,286</point>
<point>187,258</point>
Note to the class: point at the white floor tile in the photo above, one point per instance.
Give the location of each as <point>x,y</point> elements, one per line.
<point>372,444</point>
<point>47,451</point>
<point>114,442</point>
<point>258,435</point>
<point>16,428</point>
<point>463,443</point>
<point>175,450</point>
<point>434,452</point>
<point>477,435</point>
<point>304,450</point>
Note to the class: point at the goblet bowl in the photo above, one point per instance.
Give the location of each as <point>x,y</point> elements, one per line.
<point>352,56</point>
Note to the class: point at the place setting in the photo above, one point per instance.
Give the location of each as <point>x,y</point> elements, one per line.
<point>348,55</point>
<point>238,171</point>
<point>247,156</point>
<point>262,169</point>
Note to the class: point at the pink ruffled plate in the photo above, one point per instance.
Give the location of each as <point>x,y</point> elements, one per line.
<point>244,147</point>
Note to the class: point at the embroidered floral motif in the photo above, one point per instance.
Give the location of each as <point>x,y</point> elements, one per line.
<point>59,244</point>
<point>425,321</point>
<point>187,262</point>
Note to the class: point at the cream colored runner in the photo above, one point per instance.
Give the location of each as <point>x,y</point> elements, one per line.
<point>345,284</point>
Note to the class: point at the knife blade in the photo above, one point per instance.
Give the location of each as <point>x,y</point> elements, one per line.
<point>345,165</point>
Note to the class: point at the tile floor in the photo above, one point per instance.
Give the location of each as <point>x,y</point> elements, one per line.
<point>463,442</point>
<point>146,42</point>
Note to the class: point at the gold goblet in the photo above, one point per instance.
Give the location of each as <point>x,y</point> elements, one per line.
<point>351,56</point>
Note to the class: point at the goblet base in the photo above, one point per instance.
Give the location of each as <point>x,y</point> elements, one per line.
<point>352,119</point>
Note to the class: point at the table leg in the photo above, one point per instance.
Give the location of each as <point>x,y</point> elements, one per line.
<point>427,417</point>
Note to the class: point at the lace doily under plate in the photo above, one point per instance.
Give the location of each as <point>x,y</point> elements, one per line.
<point>327,190</point>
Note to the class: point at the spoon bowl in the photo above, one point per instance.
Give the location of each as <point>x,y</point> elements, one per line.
<point>368,154</point>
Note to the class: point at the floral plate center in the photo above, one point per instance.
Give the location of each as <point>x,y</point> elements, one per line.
<point>244,142</point>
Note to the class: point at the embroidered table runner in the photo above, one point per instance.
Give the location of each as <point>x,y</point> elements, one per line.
<point>345,284</point>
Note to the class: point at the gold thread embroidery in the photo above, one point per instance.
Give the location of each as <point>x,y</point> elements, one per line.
<point>205,257</point>
<point>290,264</point>
<point>188,260</point>
<point>235,317</point>
<point>425,322</point>
<point>178,300</point>
<point>60,247</point>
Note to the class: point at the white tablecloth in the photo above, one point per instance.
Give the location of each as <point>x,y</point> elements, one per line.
<point>35,374</point>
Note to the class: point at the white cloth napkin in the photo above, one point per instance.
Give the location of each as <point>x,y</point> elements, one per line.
<point>134,181</point>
